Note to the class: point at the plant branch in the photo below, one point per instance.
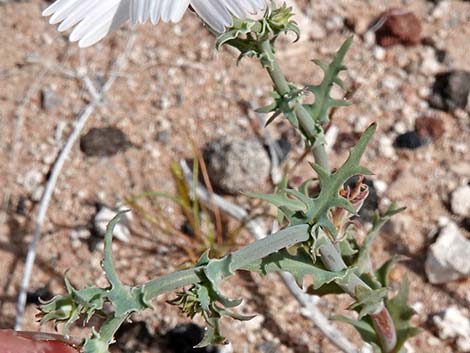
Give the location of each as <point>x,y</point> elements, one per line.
<point>282,87</point>
<point>310,310</point>
<point>330,256</point>
<point>51,183</point>
<point>239,259</point>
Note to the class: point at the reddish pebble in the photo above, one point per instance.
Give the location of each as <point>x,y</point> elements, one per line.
<point>397,26</point>
<point>427,126</point>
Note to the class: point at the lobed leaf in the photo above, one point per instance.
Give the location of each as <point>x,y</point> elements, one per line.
<point>323,101</point>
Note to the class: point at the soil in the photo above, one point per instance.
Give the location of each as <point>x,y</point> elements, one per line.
<point>176,93</point>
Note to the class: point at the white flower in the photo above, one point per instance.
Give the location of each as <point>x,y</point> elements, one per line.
<point>94,19</point>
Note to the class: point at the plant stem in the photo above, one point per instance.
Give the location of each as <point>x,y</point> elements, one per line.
<point>330,256</point>
<point>239,259</point>
<point>282,87</point>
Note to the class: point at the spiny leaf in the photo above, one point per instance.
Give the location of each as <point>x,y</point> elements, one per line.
<point>326,289</point>
<point>401,314</point>
<point>332,183</point>
<point>95,344</point>
<point>299,265</point>
<point>363,260</point>
<point>238,29</point>
<point>280,200</point>
<point>346,248</point>
<point>382,273</point>
<point>299,208</point>
<point>323,101</point>
<point>368,300</point>
<point>212,334</point>
<point>69,308</point>
<point>363,326</point>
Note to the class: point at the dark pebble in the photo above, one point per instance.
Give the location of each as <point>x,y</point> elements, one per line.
<point>441,55</point>
<point>187,229</point>
<point>451,90</point>
<point>183,338</point>
<point>101,142</point>
<point>21,206</point>
<point>42,293</point>
<point>466,224</point>
<point>410,140</point>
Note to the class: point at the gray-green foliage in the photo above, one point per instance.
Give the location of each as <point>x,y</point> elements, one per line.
<point>299,208</point>
<point>319,239</point>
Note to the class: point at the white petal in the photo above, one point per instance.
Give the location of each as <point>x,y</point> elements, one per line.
<point>56,6</point>
<point>140,11</point>
<point>108,24</point>
<point>93,19</point>
<point>103,14</point>
<point>213,13</point>
<point>176,10</point>
<point>237,8</point>
<point>218,13</point>
<point>155,11</point>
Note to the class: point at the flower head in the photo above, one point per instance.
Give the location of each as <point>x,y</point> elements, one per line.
<point>94,19</point>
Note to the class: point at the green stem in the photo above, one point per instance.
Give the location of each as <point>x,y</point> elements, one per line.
<point>239,259</point>
<point>330,255</point>
<point>110,327</point>
<point>282,87</point>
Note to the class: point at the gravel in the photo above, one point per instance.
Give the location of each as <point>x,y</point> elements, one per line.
<point>102,142</point>
<point>451,90</point>
<point>104,216</point>
<point>237,165</point>
<point>447,258</point>
<point>453,324</point>
<point>460,201</point>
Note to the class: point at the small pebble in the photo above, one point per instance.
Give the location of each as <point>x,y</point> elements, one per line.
<point>430,127</point>
<point>49,99</point>
<point>409,140</point>
<point>451,91</point>
<point>237,164</point>
<point>380,186</point>
<point>398,26</point>
<point>447,259</point>
<point>379,53</point>
<point>102,142</point>
<point>105,215</point>
<point>452,323</point>
<point>386,149</point>
<point>460,201</point>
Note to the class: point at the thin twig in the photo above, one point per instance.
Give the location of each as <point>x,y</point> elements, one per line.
<point>208,184</point>
<point>54,175</point>
<point>307,302</point>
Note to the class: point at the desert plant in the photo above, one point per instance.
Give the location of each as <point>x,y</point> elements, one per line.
<point>318,238</point>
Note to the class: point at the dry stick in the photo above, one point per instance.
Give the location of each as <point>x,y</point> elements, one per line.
<point>51,183</point>
<point>310,310</point>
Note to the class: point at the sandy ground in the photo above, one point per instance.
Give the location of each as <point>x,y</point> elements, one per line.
<point>174,84</point>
